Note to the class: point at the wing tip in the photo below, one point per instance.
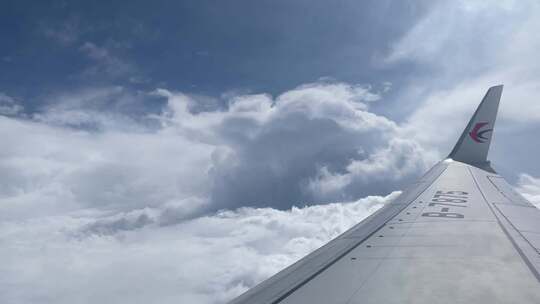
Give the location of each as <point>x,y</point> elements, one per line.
<point>498,87</point>
<point>473,144</point>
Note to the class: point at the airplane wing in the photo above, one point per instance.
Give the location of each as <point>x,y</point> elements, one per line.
<point>460,234</point>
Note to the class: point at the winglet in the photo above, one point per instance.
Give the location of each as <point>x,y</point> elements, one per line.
<point>473,144</point>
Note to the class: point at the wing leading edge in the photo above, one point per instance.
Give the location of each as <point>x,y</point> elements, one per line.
<point>460,234</point>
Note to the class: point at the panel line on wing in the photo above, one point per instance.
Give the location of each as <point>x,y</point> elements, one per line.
<point>516,228</point>
<point>405,205</point>
<point>523,256</point>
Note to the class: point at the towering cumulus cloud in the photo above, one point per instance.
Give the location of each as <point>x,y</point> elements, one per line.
<point>88,193</point>
<point>316,143</point>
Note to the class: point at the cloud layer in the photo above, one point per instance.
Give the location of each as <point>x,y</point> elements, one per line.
<point>210,259</point>
<point>89,189</point>
<point>111,194</point>
<point>315,143</point>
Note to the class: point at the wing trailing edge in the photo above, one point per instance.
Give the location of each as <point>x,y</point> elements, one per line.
<point>473,144</point>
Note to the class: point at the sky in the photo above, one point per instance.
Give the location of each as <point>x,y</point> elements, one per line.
<point>184,151</point>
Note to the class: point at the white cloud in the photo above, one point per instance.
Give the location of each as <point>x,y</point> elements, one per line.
<point>97,213</point>
<point>390,163</point>
<point>9,106</point>
<point>47,169</point>
<point>455,34</point>
<point>65,33</point>
<point>529,187</point>
<point>278,145</point>
<point>209,259</point>
<point>83,151</point>
<point>106,63</point>
<point>95,52</point>
<point>343,103</point>
<point>460,49</point>
<point>100,205</point>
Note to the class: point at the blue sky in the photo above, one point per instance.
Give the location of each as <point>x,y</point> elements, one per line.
<point>203,47</point>
<point>245,133</point>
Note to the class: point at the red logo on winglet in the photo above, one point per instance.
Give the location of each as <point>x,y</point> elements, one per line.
<point>479,135</point>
